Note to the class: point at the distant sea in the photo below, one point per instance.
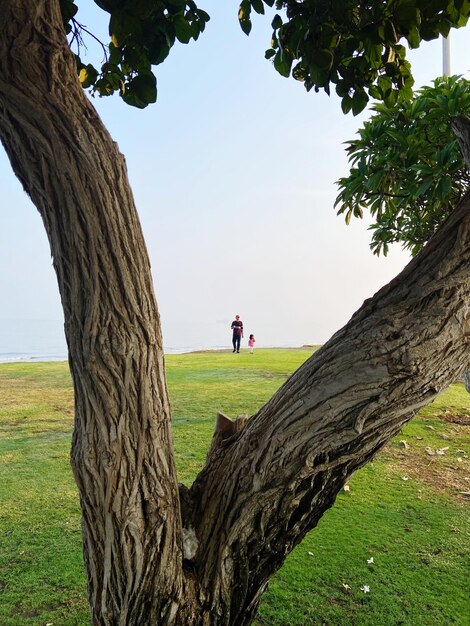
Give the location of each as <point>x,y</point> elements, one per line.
<point>44,340</point>
<point>32,340</point>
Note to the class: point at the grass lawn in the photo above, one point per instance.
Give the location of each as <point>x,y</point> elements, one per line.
<point>401,531</point>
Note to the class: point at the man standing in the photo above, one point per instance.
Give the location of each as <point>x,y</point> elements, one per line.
<point>237,329</point>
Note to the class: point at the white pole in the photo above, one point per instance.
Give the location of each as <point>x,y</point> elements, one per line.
<point>446,56</point>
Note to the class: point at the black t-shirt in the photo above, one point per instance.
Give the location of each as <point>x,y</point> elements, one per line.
<point>237,327</point>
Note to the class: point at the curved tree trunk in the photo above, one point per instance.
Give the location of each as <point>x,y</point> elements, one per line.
<point>122,451</point>
<point>268,480</point>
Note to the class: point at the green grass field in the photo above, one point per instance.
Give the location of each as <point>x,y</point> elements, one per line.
<point>407,510</point>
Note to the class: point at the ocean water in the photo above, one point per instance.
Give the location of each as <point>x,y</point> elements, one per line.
<point>32,340</point>
<point>44,340</point>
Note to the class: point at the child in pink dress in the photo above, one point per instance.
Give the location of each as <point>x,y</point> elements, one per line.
<point>251,343</point>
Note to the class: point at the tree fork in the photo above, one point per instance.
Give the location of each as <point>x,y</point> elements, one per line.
<point>272,481</point>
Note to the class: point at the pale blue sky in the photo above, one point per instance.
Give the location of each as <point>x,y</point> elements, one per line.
<point>233,173</point>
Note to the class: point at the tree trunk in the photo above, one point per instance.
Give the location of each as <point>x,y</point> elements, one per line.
<point>122,451</point>
<point>201,557</point>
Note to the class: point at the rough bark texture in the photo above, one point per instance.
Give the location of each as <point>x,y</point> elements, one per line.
<point>122,451</point>
<point>461,128</point>
<point>403,346</point>
<point>267,480</point>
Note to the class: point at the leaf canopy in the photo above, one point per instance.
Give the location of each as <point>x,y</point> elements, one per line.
<point>356,47</point>
<point>407,169</point>
<point>353,46</point>
<point>141,35</point>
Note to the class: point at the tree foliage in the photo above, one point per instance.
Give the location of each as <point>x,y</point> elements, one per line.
<point>407,168</point>
<point>354,45</point>
<point>141,32</point>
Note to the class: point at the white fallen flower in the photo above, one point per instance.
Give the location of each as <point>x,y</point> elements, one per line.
<point>190,543</point>
<point>442,451</point>
<point>346,586</point>
<point>371,560</point>
<point>346,488</point>
<point>405,478</point>
<point>365,588</point>
<point>310,553</point>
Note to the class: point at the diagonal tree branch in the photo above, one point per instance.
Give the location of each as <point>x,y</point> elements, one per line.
<point>269,484</point>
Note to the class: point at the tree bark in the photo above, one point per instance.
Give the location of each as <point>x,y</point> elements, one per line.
<point>203,556</point>
<point>270,484</point>
<point>461,128</point>
<point>122,450</point>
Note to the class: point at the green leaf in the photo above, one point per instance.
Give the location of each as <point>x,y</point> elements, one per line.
<point>158,51</point>
<point>391,98</point>
<point>258,6</point>
<point>319,77</point>
<point>407,13</point>
<point>182,28</point>
<point>385,85</point>
<point>282,64</point>
<point>375,92</point>
<point>277,22</point>
<point>141,90</point>
<point>244,13</point>
<point>445,156</point>
<point>342,88</point>
<point>203,16</point>
<point>88,76</point>
<point>346,104</point>
<point>389,32</point>
<point>414,37</point>
<point>443,188</point>
<point>123,26</point>
<point>374,56</point>
<point>444,27</point>
<point>323,59</point>
<point>68,9</point>
<point>115,54</point>
<point>424,187</point>
<point>299,72</point>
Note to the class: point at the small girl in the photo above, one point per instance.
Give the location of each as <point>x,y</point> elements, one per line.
<point>251,343</point>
